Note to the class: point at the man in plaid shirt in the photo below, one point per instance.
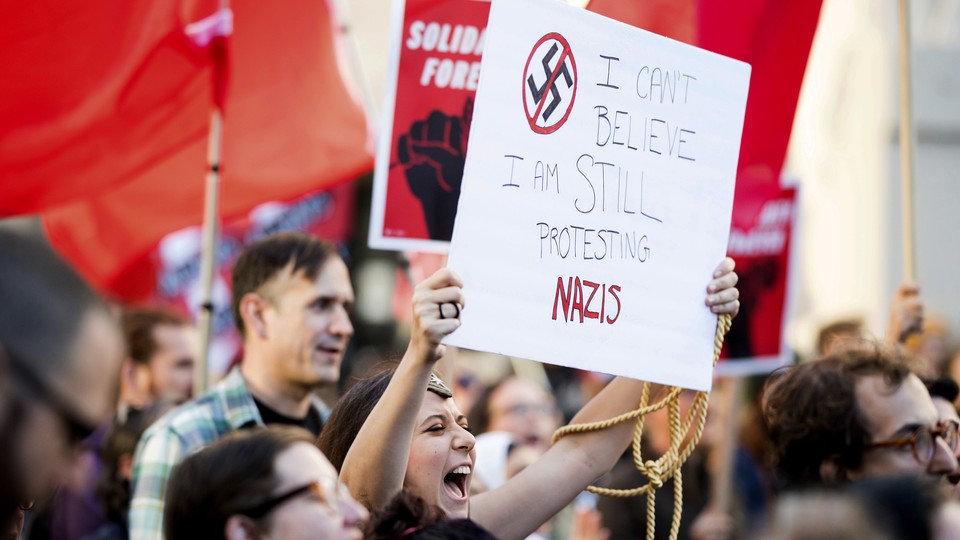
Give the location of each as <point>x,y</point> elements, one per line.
<point>291,300</point>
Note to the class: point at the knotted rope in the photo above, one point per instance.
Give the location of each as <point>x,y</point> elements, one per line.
<point>668,465</point>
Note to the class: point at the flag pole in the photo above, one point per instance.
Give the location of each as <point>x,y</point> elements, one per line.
<point>208,250</point>
<point>907,140</point>
<point>221,26</point>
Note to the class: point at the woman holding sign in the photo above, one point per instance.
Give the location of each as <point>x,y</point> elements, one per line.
<point>402,431</point>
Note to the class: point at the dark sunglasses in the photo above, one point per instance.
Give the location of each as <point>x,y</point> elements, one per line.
<point>77,428</point>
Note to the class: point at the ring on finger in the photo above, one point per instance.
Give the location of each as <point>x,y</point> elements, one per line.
<point>456,308</point>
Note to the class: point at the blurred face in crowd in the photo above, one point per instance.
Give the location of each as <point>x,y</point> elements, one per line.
<point>899,414</point>
<point>171,367</point>
<point>57,414</point>
<point>947,412</point>
<point>326,510</point>
<point>442,455</point>
<point>307,323</point>
<point>11,529</point>
<point>523,408</point>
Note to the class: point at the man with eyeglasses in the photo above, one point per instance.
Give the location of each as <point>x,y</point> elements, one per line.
<point>944,392</point>
<point>60,352</point>
<point>857,413</point>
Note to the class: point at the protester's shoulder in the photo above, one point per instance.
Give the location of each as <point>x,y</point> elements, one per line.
<point>200,420</point>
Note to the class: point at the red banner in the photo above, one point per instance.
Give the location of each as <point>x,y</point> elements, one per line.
<point>95,93</point>
<point>291,126</point>
<point>760,242</point>
<point>774,38</point>
<point>429,104</point>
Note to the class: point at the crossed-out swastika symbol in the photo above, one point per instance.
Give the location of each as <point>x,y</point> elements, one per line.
<point>539,108</point>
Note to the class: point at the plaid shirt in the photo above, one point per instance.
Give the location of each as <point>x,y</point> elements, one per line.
<point>226,407</point>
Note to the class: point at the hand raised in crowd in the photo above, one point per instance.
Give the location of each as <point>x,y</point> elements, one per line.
<point>437,302</point>
<point>712,525</point>
<point>906,312</point>
<point>588,525</point>
<point>722,293</point>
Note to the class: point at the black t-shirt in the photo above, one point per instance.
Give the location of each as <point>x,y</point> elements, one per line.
<point>312,422</point>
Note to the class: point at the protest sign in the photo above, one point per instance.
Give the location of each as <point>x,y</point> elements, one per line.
<point>597,194</point>
<point>761,243</point>
<point>432,76</point>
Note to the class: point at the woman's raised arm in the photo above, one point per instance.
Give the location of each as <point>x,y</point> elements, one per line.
<point>518,507</point>
<point>375,465</point>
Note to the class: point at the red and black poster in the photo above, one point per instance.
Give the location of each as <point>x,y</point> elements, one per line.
<point>760,243</point>
<point>432,77</point>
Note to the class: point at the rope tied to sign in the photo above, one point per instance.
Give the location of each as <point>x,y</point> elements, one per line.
<point>667,466</point>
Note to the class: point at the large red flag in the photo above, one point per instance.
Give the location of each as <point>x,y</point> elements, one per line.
<point>291,127</point>
<point>94,93</point>
<point>774,37</point>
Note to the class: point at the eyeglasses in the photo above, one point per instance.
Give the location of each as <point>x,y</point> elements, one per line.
<point>77,428</point>
<point>923,441</point>
<point>524,409</point>
<point>321,492</point>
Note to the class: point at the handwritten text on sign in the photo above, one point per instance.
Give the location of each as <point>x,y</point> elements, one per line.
<point>596,195</point>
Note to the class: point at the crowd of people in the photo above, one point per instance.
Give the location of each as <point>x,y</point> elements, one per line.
<point>103,439</point>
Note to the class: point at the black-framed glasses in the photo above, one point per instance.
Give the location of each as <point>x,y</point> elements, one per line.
<point>77,428</point>
<point>923,441</point>
<point>316,488</point>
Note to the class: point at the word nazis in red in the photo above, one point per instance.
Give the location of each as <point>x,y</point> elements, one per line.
<point>582,300</point>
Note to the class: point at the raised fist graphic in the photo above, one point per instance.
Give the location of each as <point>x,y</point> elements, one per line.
<point>432,154</point>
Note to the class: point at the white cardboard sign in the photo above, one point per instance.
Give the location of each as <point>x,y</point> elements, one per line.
<point>597,194</point>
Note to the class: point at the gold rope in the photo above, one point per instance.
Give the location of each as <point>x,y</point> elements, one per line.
<point>668,465</point>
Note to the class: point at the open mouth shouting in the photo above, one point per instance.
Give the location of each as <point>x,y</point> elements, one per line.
<point>456,483</point>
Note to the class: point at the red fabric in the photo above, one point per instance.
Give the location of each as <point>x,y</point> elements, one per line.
<point>676,19</point>
<point>94,93</point>
<point>290,127</point>
<point>774,37</point>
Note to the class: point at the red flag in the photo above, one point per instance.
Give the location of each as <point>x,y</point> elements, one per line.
<point>94,93</point>
<point>676,19</point>
<point>774,37</point>
<point>290,127</point>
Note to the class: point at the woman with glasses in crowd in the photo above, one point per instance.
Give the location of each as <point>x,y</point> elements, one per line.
<point>263,482</point>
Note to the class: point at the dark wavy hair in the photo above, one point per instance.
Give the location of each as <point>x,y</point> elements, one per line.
<point>232,475</point>
<point>349,414</point>
<point>812,416</point>
<point>409,517</point>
